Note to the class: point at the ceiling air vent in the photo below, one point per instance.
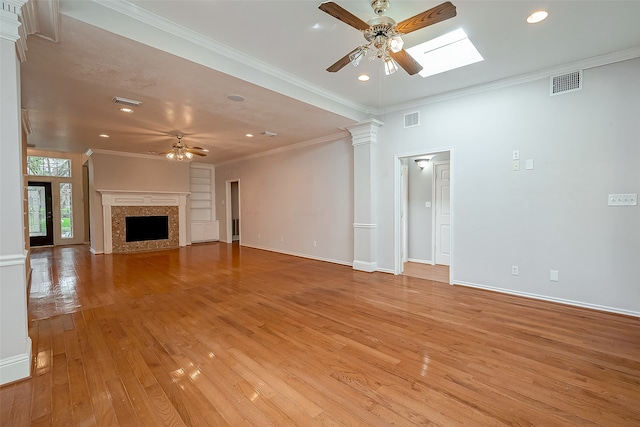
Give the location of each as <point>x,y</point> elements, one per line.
<point>565,83</point>
<point>412,119</point>
<point>127,102</point>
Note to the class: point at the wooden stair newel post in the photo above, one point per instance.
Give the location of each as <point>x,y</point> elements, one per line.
<point>364,138</point>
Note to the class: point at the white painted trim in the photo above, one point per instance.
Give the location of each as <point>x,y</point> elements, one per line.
<point>596,61</point>
<point>368,267</point>
<point>397,198</point>
<point>385,270</point>
<point>363,225</point>
<point>303,144</point>
<point>17,367</point>
<point>307,256</point>
<point>13,259</point>
<point>142,198</point>
<point>550,299</point>
<point>93,251</point>
<point>421,261</point>
<point>228,213</point>
<point>91,151</point>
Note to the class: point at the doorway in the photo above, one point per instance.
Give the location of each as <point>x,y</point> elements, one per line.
<point>40,205</point>
<point>233,211</point>
<point>423,207</point>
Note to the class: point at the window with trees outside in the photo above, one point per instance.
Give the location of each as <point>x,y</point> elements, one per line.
<point>48,166</point>
<point>66,211</point>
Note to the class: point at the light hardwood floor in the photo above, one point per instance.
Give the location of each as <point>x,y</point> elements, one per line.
<point>216,334</point>
<point>437,273</point>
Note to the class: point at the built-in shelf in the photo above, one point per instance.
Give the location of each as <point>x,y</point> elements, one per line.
<point>204,226</point>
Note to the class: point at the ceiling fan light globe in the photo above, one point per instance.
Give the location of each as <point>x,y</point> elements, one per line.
<point>171,155</point>
<point>189,155</point>
<point>357,56</point>
<point>390,66</point>
<point>396,44</point>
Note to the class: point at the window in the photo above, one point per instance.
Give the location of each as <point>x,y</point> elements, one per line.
<point>66,211</point>
<point>48,166</point>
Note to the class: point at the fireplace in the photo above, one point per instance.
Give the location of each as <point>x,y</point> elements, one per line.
<point>143,228</point>
<point>137,221</point>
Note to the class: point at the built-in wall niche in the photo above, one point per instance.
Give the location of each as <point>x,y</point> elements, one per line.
<point>204,225</point>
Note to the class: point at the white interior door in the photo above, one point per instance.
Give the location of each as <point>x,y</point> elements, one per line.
<point>443,213</point>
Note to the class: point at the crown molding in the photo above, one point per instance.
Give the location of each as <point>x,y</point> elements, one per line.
<point>584,64</point>
<point>132,11</point>
<point>323,139</point>
<point>92,151</point>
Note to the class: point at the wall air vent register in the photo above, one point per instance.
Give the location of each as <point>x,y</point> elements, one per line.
<point>565,83</point>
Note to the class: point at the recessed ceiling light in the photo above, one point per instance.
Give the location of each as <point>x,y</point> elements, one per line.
<point>537,16</point>
<point>103,135</point>
<point>249,135</point>
<point>126,110</point>
<point>363,77</point>
<point>235,98</point>
<point>447,52</point>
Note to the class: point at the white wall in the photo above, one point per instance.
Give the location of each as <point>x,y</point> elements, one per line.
<point>293,198</point>
<point>585,146</point>
<point>120,171</point>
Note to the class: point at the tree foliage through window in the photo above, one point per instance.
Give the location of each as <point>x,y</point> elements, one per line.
<point>48,166</point>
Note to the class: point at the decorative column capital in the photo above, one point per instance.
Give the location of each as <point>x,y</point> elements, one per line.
<point>365,132</point>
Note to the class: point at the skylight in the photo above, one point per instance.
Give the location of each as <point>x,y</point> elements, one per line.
<point>448,52</point>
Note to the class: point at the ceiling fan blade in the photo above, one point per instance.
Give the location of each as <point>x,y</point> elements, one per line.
<point>198,153</point>
<point>432,16</point>
<point>407,62</point>
<point>341,62</point>
<point>343,15</point>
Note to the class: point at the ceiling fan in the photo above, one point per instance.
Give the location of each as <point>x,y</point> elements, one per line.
<point>180,151</point>
<point>385,35</point>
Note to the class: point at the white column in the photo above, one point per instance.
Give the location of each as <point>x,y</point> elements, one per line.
<point>364,138</point>
<point>15,344</point>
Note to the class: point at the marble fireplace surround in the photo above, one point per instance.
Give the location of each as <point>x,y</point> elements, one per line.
<point>142,203</point>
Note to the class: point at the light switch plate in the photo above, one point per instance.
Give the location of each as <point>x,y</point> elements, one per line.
<point>553,275</point>
<point>427,204</point>
<point>623,199</point>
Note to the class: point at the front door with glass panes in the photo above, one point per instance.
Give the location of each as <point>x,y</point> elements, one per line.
<point>40,214</point>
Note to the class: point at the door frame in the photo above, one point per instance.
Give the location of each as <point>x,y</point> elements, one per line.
<point>397,197</point>
<point>229,220</point>
<point>49,239</point>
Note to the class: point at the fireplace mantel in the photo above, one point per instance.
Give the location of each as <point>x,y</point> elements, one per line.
<point>142,198</point>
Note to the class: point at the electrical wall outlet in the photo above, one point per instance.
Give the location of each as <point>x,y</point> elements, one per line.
<point>514,270</point>
<point>516,155</point>
<point>516,165</point>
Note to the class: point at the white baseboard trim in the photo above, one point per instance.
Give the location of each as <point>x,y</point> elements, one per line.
<point>369,267</point>
<point>316,258</point>
<point>550,299</point>
<point>421,261</point>
<point>93,251</point>
<point>386,270</point>
<point>16,368</point>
